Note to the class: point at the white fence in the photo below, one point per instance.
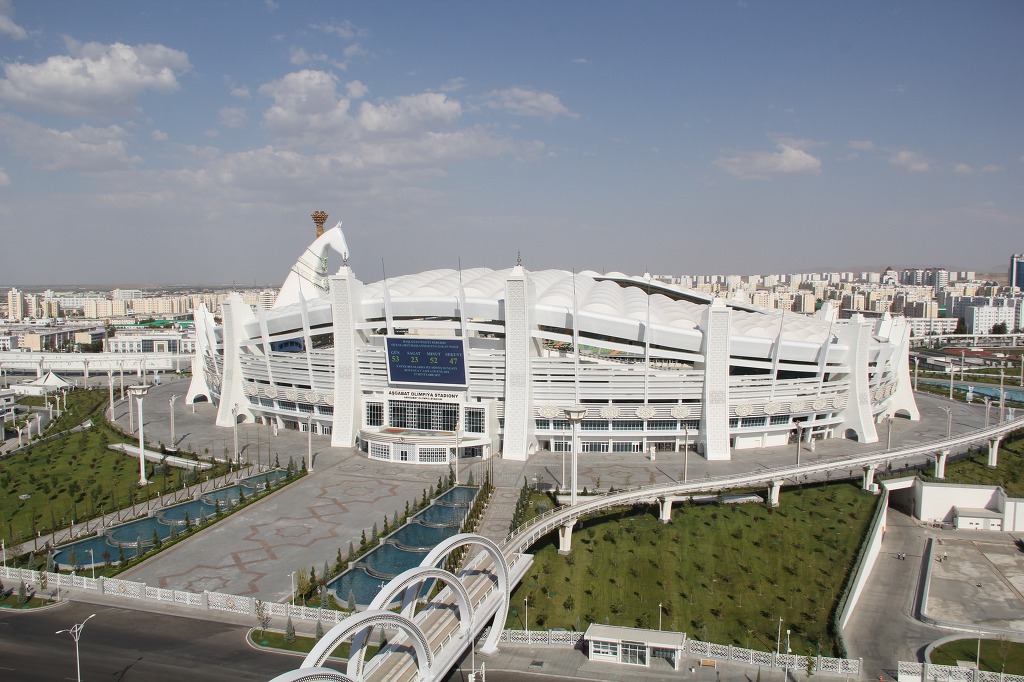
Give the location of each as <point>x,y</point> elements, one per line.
<point>127,589</point>
<point>721,652</point>
<point>931,672</point>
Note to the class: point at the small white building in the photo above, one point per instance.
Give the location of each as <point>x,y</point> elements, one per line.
<point>634,646</point>
<point>977,507</point>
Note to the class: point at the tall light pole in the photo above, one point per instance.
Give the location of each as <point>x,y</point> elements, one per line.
<point>788,652</point>
<point>234,432</point>
<point>659,616</point>
<point>76,632</point>
<point>110,385</point>
<point>526,601</point>
<point>950,379</point>
<point>778,637</point>
<point>888,432</point>
<point>949,421</point>
<point>575,414</point>
<point>139,391</point>
<point>686,452</point>
<point>292,574</point>
<point>92,563</point>
<point>171,406</point>
<point>1002,397</point>
<point>916,361</point>
<point>799,440</point>
<point>563,457</point>
<point>309,443</point>
<point>988,401</point>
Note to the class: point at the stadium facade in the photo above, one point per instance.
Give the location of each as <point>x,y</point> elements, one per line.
<point>485,362</point>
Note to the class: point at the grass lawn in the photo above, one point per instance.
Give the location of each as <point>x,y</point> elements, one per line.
<point>994,653</point>
<point>1009,474</point>
<point>74,476</point>
<point>10,601</point>
<point>302,645</point>
<point>722,573</point>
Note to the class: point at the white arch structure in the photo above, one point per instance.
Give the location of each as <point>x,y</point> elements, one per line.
<point>440,552</point>
<point>312,675</point>
<point>408,582</point>
<point>360,623</point>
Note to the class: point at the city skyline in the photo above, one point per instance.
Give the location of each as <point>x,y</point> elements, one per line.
<point>158,144</point>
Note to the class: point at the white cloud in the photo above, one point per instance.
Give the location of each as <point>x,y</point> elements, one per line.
<point>786,160</point>
<point>526,102</point>
<point>158,135</point>
<point>85,149</point>
<point>454,85</point>
<point>965,169</point>
<point>861,145</point>
<point>356,90</point>
<point>270,5</point>
<point>407,113</point>
<point>94,81</point>
<point>5,179</point>
<point>241,92</point>
<point>912,162</point>
<point>898,89</point>
<point>233,117</point>
<point>580,60</point>
<point>306,106</point>
<point>7,24</point>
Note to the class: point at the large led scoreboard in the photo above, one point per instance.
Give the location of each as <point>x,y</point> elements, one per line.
<point>424,361</point>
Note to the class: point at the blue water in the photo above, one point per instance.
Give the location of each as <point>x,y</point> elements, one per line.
<point>424,531</point>
<point>126,538</point>
<point>990,391</point>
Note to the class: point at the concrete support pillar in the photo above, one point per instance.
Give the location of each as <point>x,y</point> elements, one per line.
<point>665,510</point>
<point>869,477</point>
<point>565,538</point>
<point>940,463</point>
<point>773,492</point>
<point>993,452</point>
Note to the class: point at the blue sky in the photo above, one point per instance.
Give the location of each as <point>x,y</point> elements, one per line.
<point>147,142</point>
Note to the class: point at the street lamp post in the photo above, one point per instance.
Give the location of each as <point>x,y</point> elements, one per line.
<point>309,443</point>
<point>170,404</point>
<point>526,601</point>
<point>987,402</point>
<point>292,574</point>
<point>92,563</point>
<point>916,361</point>
<point>888,432</point>
<point>951,379</point>
<point>110,385</point>
<point>659,616</point>
<point>778,637</point>
<point>949,422</point>
<point>1002,397</point>
<point>789,651</point>
<point>686,452</point>
<point>799,440</point>
<point>76,632</point>
<point>575,414</point>
<point>139,392</point>
<point>234,432</point>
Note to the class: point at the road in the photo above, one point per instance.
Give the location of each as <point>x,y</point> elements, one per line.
<point>124,645</point>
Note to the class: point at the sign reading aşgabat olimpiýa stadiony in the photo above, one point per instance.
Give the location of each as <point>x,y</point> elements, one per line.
<point>418,360</point>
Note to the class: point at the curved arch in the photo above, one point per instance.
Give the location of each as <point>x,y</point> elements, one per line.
<point>408,582</point>
<point>366,620</point>
<point>501,568</point>
<point>312,675</point>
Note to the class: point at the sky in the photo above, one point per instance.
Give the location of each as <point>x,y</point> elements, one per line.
<point>150,142</point>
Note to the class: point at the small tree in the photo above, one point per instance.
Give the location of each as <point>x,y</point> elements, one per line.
<point>303,585</point>
<point>810,664</point>
<point>289,631</point>
<point>22,593</point>
<point>262,616</point>
<point>319,630</point>
<point>351,601</point>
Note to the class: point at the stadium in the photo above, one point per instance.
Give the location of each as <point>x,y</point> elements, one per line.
<point>424,367</point>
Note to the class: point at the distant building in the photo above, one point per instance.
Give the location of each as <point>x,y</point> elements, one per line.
<point>1016,271</point>
<point>16,309</point>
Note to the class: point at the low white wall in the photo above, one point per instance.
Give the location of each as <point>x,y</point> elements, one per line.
<point>872,547</point>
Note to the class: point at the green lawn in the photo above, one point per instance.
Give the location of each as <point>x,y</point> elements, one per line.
<point>721,573</point>
<point>74,476</point>
<point>994,653</point>
<point>1009,474</point>
<point>302,645</point>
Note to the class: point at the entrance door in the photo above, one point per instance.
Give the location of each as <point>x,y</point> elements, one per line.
<point>405,453</point>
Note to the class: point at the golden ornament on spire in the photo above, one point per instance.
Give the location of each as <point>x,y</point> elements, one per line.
<point>319,217</point>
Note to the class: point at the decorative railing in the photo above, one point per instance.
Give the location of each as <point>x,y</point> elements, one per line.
<point>909,671</point>
<point>697,648</point>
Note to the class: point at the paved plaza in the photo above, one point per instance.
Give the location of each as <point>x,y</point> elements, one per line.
<point>304,524</point>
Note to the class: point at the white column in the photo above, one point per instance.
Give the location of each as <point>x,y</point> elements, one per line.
<point>940,463</point>
<point>773,492</point>
<point>993,452</point>
<point>869,477</point>
<point>236,313</point>
<point>519,435</point>
<point>856,415</point>
<point>714,420</point>
<point>346,299</point>
<point>664,510</point>
<point>142,446</point>
<point>565,538</point>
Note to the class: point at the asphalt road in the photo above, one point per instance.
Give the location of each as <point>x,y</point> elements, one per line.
<point>122,645</point>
